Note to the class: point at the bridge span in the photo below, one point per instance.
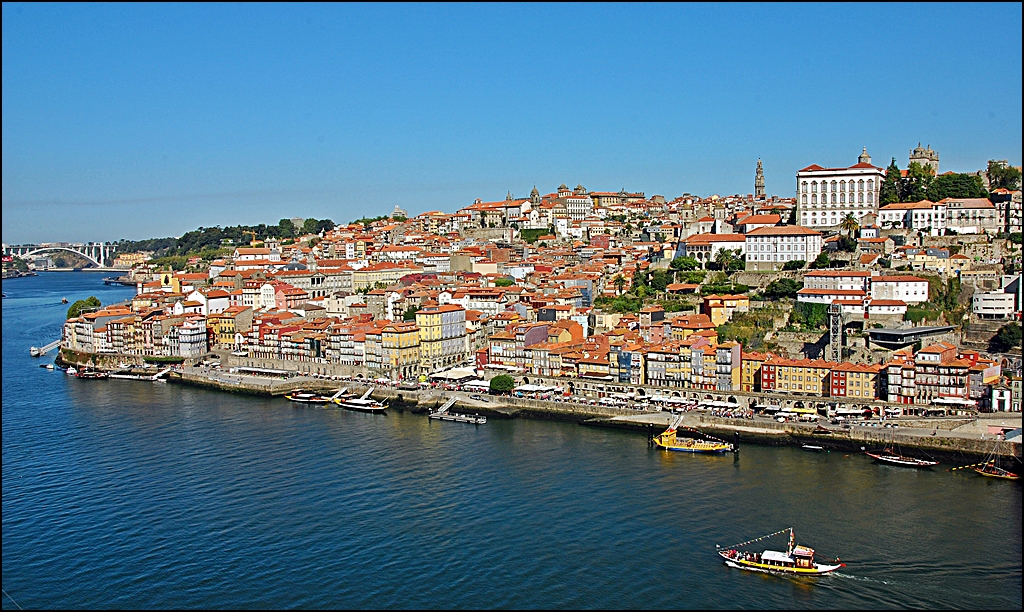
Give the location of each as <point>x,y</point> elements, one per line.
<point>96,252</point>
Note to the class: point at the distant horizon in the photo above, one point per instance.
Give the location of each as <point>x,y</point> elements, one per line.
<point>148,121</point>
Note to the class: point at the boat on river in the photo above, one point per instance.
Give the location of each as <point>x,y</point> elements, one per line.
<point>365,403</point>
<point>309,397</point>
<point>991,468</point>
<point>891,455</point>
<point>891,458</point>
<point>796,560</point>
<point>670,440</point>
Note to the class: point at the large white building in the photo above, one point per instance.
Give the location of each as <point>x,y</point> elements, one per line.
<point>769,248</point>
<point>825,196</point>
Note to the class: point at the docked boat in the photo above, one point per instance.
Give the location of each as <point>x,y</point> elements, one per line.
<point>365,403</point>
<point>889,457</point>
<point>814,448</point>
<point>796,560</point>
<point>308,397</point>
<point>991,470</point>
<point>670,440</point>
<point>91,374</point>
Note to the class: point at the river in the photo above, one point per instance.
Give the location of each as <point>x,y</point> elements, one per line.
<point>129,494</point>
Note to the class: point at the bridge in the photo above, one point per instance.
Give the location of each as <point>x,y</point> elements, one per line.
<point>96,252</point>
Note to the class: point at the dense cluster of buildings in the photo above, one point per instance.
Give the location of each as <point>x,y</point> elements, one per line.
<point>511,285</point>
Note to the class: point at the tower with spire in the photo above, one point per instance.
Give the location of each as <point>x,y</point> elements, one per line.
<point>759,182</point>
<point>864,158</point>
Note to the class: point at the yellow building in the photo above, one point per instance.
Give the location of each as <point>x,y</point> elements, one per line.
<point>750,378</point>
<point>401,345</point>
<point>719,308</point>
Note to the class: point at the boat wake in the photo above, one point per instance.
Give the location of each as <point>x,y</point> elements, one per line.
<point>861,578</point>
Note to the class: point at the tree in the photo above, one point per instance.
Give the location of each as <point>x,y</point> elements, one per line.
<point>89,303</point>
<point>1002,176</point>
<point>956,186</point>
<point>619,281</point>
<point>809,314</point>
<point>822,261</point>
<point>847,244</point>
<point>796,264</point>
<point>782,288</point>
<point>504,282</point>
<point>684,263</point>
<point>849,224</point>
<point>889,190</point>
<point>660,280</point>
<point>285,228</point>
<point>409,314</point>
<point>919,179</point>
<point>502,383</point>
<point>1006,339</point>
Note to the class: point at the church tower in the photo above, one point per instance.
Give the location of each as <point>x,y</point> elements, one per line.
<point>759,182</point>
<point>864,158</point>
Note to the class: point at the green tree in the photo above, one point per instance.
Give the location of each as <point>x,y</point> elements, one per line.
<point>1002,176</point>
<point>821,261</point>
<point>660,280</point>
<point>285,228</point>
<point>956,186</point>
<point>89,303</point>
<point>1006,339</point>
<point>808,314</point>
<point>796,264</point>
<point>849,224</point>
<point>504,282</point>
<point>919,179</point>
<point>409,314</point>
<point>684,263</point>
<point>847,244</point>
<point>890,189</point>
<point>782,288</point>
<point>619,281</point>
<point>502,383</point>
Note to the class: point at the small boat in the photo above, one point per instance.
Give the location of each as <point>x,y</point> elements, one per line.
<point>814,448</point>
<point>796,560</point>
<point>991,470</point>
<point>71,371</point>
<point>365,403</point>
<point>91,374</point>
<point>889,457</point>
<point>308,397</point>
<point>821,431</point>
<point>64,300</point>
<point>669,440</point>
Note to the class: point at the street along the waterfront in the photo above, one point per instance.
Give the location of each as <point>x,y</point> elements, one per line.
<point>122,493</point>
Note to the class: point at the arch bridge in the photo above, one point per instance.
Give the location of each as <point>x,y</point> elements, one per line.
<point>96,252</point>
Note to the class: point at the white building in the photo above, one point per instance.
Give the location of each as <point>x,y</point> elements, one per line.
<point>909,289</point>
<point>769,248</point>
<point>825,196</point>
<point>993,305</point>
<point>838,279</point>
<point>923,216</point>
<point>972,215</point>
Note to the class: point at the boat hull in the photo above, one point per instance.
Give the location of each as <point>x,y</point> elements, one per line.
<point>753,566</point>
<point>1004,475</point>
<point>901,461</point>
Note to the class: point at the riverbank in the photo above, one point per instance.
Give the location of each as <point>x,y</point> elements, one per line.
<point>956,440</point>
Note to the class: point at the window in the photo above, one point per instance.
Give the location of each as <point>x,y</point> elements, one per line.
<point>860,185</point>
<point>833,198</point>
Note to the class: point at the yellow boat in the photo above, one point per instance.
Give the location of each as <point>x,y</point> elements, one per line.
<point>669,440</point>
<point>797,560</point>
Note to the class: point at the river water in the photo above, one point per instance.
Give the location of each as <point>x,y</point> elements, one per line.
<point>125,494</point>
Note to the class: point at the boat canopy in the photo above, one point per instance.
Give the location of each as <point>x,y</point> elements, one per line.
<point>803,551</point>
<point>477,384</point>
<point>774,555</point>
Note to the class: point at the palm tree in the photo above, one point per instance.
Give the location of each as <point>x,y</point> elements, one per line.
<point>849,224</point>
<point>619,281</point>
<point>724,258</point>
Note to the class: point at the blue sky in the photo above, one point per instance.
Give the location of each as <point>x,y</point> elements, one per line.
<point>136,121</point>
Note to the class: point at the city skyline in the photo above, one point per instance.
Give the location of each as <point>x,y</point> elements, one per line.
<point>148,121</point>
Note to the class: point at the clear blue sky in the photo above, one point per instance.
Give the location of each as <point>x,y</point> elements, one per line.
<point>136,121</point>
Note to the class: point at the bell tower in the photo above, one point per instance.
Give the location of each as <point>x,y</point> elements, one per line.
<point>759,182</point>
